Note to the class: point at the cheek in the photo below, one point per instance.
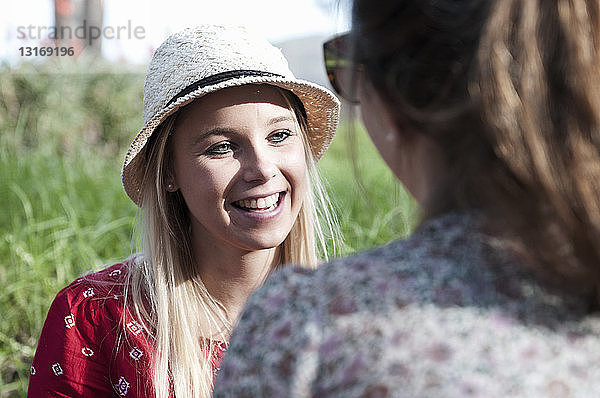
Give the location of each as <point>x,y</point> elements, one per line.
<point>377,121</point>
<point>382,131</point>
<point>297,173</point>
<point>200,183</point>
<point>379,128</point>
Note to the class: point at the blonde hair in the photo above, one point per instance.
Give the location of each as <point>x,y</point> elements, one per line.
<point>165,289</point>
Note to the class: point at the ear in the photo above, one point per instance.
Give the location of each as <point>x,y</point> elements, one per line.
<point>171,184</point>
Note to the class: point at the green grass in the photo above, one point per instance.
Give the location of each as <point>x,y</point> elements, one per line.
<point>63,210</point>
<point>372,207</point>
<point>60,217</point>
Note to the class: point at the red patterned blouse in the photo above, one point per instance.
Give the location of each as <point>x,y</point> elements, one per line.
<point>91,346</point>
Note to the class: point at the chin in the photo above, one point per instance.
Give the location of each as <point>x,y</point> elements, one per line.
<point>263,244</point>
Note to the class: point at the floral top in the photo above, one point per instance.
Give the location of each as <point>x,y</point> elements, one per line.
<point>445,313</point>
<point>91,346</point>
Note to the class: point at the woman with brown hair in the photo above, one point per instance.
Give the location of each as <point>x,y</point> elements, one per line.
<point>489,114</point>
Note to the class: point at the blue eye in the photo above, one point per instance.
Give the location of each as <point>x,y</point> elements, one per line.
<point>219,149</point>
<point>280,136</point>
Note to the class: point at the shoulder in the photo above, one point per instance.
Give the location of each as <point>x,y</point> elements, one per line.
<point>382,279</point>
<point>108,281</point>
<point>92,297</point>
<point>81,347</point>
<point>447,262</point>
<point>84,314</point>
<point>298,315</point>
<point>430,265</point>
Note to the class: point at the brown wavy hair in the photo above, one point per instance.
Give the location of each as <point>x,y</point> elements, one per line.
<point>510,90</point>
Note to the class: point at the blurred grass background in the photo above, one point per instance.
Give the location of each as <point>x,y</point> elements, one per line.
<point>63,210</point>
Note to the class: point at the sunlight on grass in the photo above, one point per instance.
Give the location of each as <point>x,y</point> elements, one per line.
<point>371,204</point>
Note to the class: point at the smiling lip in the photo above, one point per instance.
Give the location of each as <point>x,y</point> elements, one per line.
<point>260,204</point>
<point>260,207</point>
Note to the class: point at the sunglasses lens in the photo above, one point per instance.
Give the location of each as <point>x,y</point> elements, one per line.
<point>340,68</point>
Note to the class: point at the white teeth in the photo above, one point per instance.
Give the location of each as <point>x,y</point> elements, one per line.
<point>269,201</point>
<point>260,204</point>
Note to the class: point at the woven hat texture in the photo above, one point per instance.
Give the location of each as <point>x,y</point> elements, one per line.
<point>201,60</point>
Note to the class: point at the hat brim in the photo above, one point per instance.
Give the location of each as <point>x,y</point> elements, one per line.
<point>321,106</point>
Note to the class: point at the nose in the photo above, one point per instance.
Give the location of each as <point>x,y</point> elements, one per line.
<point>259,165</point>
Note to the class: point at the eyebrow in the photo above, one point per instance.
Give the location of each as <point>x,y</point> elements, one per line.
<point>215,131</point>
<point>278,119</point>
<point>226,131</point>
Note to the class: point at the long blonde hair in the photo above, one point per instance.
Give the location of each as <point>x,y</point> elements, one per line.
<point>165,289</point>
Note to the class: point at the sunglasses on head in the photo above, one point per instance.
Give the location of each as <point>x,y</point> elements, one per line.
<point>341,68</point>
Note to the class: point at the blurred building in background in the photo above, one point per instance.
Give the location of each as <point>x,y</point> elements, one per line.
<point>76,23</point>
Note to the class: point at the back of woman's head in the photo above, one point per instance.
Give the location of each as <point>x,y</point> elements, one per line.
<point>510,90</point>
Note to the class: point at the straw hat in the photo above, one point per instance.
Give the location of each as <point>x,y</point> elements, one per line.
<point>198,61</point>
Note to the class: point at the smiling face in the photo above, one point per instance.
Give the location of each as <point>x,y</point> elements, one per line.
<point>240,165</point>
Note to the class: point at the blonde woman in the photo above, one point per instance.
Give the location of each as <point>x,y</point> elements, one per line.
<point>224,174</point>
